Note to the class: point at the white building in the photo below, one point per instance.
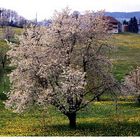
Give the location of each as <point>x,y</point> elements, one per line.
<point>114,25</point>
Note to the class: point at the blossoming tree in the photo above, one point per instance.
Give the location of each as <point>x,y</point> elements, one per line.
<point>63,64</point>
<point>131,85</point>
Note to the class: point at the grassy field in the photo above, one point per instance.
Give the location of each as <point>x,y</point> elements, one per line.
<point>98,119</point>
<point>18,31</point>
<point>127,54</point>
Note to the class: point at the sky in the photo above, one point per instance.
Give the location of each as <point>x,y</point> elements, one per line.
<point>45,8</point>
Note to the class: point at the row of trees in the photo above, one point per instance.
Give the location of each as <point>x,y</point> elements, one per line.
<point>132,25</point>
<point>11,18</point>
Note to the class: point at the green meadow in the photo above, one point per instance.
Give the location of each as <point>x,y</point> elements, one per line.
<point>104,118</point>
<point>127,54</point>
<point>98,119</point>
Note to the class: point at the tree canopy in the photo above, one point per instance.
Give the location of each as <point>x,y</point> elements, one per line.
<point>64,64</point>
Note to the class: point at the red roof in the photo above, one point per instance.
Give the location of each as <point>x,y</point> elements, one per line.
<point>111,19</point>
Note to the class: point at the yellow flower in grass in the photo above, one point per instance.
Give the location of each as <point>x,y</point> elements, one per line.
<point>134,119</point>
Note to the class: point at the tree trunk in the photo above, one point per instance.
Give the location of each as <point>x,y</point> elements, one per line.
<point>138,99</point>
<point>98,98</point>
<point>3,65</point>
<point>72,120</point>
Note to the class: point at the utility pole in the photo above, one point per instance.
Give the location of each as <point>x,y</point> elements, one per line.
<point>36,19</point>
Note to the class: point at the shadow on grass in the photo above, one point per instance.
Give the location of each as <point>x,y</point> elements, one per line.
<point>95,129</point>
<point>130,104</point>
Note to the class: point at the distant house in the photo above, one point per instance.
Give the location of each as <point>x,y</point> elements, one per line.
<point>125,28</point>
<point>114,25</point>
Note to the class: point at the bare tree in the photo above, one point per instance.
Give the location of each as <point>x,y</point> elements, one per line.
<point>11,18</point>
<point>62,64</point>
<point>8,33</point>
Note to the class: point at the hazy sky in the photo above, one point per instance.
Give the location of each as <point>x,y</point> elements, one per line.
<point>45,8</point>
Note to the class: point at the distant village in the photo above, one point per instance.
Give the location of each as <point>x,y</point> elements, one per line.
<point>116,26</point>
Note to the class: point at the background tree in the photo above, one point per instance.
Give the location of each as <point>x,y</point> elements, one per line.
<point>4,70</point>
<point>11,18</point>
<point>136,29</point>
<point>76,14</point>
<point>63,64</point>
<point>3,55</point>
<point>132,84</point>
<point>125,22</point>
<point>133,25</point>
<point>8,33</point>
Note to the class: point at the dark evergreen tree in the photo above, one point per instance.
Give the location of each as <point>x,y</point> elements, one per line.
<point>130,25</point>
<point>125,22</point>
<point>133,25</point>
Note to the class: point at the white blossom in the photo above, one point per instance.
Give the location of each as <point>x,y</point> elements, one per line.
<point>61,64</point>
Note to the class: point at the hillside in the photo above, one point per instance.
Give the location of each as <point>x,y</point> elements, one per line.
<point>126,56</point>
<point>124,15</point>
<point>93,120</point>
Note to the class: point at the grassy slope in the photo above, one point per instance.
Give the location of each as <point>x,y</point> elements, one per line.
<point>127,55</point>
<point>16,30</point>
<point>99,119</point>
